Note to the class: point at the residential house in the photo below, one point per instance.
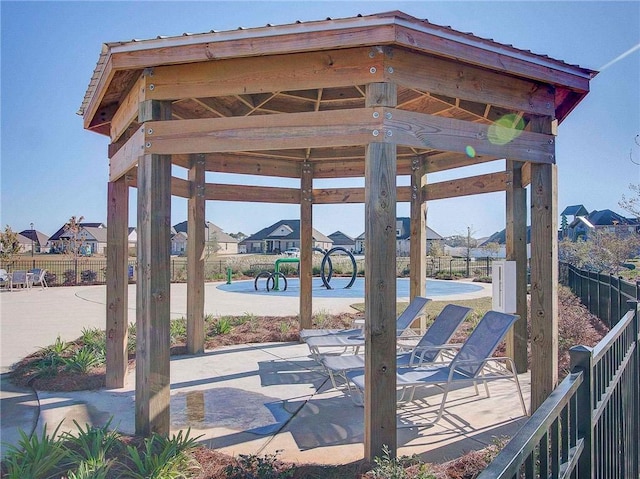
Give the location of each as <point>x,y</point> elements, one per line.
<point>178,242</point>
<point>281,236</point>
<point>570,211</point>
<point>33,240</point>
<point>216,240</point>
<point>343,240</point>
<point>584,226</point>
<point>484,250</point>
<point>360,244</point>
<point>132,237</point>
<point>90,239</point>
<point>403,234</point>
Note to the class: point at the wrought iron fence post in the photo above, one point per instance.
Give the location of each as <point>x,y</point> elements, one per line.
<point>581,358</point>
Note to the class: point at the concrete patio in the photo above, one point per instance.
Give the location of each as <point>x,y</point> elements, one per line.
<point>246,399</point>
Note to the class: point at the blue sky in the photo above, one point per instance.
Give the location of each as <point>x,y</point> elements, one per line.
<point>51,168</point>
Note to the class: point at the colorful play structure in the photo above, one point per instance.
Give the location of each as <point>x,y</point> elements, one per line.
<point>273,278</point>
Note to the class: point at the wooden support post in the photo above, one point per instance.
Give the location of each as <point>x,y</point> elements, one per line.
<point>117,282</point>
<point>306,245</point>
<point>195,257</point>
<point>380,286</point>
<point>418,241</point>
<point>544,282</point>
<point>516,250</point>
<point>153,288</point>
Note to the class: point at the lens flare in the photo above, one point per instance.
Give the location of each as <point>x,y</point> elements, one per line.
<point>470,151</point>
<point>506,129</point>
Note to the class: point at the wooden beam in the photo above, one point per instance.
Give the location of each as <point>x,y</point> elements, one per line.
<point>126,157</point>
<point>255,194</point>
<point>263,132</point>
<point>127,111</point>
<point>242,76</point>
<point>237,44</point>
<point>490,59</point>
<point>248,165</point>
<point>333,196</point>
<point>421,130</point>
<point>179,186</point>
<point>380,287</point>
<point>473,185</point>
<point>544,283</point>
<point>117,317</point>
<point>516,250</point>
<point>455,79</point>
<point>418,239</point>
<point>449,160</point>
<point>195,258</point>
<point>153,291</point>
<point>306,245</point>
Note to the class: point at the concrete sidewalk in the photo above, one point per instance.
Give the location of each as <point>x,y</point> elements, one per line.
<point>247,399</point>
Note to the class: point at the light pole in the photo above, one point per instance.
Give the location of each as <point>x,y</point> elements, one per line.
<point>32,233</point>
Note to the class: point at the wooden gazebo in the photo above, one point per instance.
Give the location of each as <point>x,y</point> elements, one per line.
<point>371,96</point>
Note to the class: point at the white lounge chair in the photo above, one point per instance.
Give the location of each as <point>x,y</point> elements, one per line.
<point>428,350</point>
<point>472,364</point>
<point>352,340</point>
<point>38,277</point>
<point>5,280</point>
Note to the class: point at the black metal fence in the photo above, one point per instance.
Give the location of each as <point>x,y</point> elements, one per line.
<point>86,271</point>
<point>603,294</point>
<point>90,270</point>
<point>589,426</point>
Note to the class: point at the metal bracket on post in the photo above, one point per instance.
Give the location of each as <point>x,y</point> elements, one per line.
<point>307,194</point>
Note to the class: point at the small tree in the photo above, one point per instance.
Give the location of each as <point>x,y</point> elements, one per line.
<point>73,242</point>
<point>9,246</point>
<point>436,249</point>
<point>490,249</point>
<point>211,246</point>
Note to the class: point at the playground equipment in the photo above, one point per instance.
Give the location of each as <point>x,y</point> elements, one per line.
<point>273,279</point>
<point>327,258</point>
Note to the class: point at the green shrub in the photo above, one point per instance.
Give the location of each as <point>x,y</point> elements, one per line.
<point>221,326</point>
<point>90,449</point>
<point>387,467</point>
<point>178,330</point>
<point>41,457</point>
<point>256,467</point>
<point>88,276</point>
<point>83,360</point>
<point>162,458</point>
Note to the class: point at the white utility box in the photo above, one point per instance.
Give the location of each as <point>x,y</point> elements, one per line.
<point>504,286</point>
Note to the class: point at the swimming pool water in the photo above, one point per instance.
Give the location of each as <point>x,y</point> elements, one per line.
<point>434,288</point>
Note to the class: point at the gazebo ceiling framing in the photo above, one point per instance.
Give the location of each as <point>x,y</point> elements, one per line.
<point>304,86</point>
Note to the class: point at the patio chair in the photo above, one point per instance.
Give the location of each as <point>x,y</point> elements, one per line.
<point>5,280</point>
<point>352,340</point>
<point>19,279</point>
<point>472,364</point>
<point>430,348</point>
<point>38,277</point>
<point>310,333</point>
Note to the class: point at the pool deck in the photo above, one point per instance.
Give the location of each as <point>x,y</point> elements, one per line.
<point>246,399</point>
